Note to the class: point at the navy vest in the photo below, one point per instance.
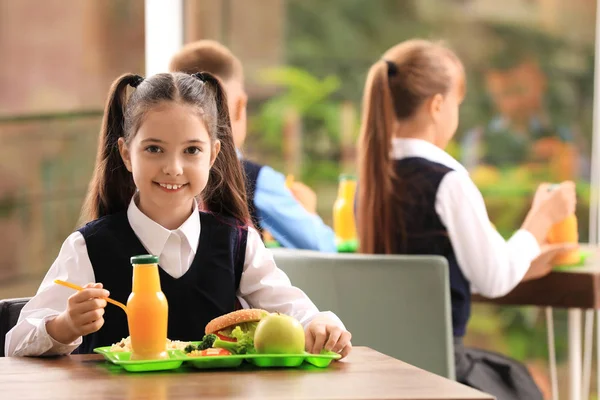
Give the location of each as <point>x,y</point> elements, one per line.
<point>423,231</point>
<point>207,290</point>
<point>251,170</point>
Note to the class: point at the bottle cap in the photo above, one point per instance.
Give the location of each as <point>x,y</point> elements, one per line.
<point>144,259</point>
<point>347,177</point>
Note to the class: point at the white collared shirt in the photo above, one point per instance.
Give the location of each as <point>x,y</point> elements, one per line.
<point>262,285</point>
<point>492,265</point>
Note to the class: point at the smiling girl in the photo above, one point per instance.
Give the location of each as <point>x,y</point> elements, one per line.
<point>164,153</point>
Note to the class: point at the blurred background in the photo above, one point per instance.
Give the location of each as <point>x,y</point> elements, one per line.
<point>527,117</point>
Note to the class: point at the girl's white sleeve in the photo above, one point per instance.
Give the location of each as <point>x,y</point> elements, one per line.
<point>492,265</point>
<point>29,336</point>
<point>265,286</point>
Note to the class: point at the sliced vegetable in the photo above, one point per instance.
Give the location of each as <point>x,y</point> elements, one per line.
<point>225,338</point>
<point>215,352</point>
<point>244,343</point>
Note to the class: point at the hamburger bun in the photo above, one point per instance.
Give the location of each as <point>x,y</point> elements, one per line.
<point>235,318</point>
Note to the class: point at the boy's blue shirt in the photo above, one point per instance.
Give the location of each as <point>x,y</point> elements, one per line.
<point>285,218</point>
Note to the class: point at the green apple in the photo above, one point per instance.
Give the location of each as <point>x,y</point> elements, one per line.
<point>279,334</point>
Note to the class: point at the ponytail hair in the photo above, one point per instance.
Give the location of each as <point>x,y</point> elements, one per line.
<point>376,174</point>
<point>409,74</point>
<point>111,187</point>
<point>225,192</point>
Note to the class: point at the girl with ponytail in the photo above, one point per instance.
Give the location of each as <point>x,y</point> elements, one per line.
<point>167,182</point>
<point>414,198</point>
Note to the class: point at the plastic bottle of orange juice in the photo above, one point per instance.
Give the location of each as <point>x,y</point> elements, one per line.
<point>344,224</point>
<point>565,232</point>
<point>147,311</point>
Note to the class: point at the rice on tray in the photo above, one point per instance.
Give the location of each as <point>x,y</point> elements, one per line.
<point>125,345</point>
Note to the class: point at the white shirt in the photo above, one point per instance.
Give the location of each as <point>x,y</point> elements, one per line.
<point>262,285</point>
<point>492,265</point>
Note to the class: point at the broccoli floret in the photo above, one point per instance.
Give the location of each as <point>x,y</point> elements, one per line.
<point>207,341</point>
<point>189,348</point>
<point>234,347</point>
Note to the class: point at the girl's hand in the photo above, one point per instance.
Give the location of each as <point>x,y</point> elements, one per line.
<point>84,314</point>
<point>322,334</point>
<point>543,263</point>
<point>556,202</point>
<point>551,204</point>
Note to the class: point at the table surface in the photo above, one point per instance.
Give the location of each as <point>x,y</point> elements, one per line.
<point>365,374</point>
<point>577,287</point>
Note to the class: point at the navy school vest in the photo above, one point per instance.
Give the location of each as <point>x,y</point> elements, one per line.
<point>207,290</point>
<point>423,231</point>
<point>251,171</point>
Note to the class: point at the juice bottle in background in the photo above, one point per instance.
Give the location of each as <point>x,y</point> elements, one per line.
<point>565,232</point>
<point>344,225</point>
<point>147,311</point>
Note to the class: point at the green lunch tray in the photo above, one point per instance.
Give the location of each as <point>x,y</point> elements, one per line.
<point>583,255</point>
<point>123,359</point>
<point>263,360</point>
<point>177,358</point>
<point>272,244</point>
<point>347,246</point>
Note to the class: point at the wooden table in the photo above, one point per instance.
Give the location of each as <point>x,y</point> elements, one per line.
<point>576,288</point>
<point>366,374</point>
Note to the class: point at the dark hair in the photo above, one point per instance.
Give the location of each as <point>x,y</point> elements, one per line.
<point>112,186</point>
<point>209,56</point>
<point>396,87</point>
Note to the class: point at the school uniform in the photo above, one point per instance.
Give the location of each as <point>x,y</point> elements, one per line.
<point>443,213</point>
<point>252,171</point>
<point>205,265</point>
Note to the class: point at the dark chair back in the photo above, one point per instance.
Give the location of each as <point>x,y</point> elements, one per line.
<point>9,315</point>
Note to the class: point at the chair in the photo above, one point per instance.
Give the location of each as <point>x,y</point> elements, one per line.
<point>9,314</point>
<point>397,305</point>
